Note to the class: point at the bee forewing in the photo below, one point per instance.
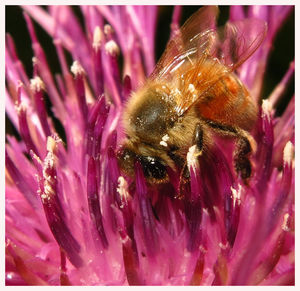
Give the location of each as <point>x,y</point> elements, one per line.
<point>193,39</point>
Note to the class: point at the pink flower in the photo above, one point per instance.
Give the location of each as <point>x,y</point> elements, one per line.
<point>72,216</point>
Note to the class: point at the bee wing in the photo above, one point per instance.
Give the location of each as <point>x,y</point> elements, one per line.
<point>193,39</point>
<point>238,40</point>
<point>198,41</point>
<point>230,45</point>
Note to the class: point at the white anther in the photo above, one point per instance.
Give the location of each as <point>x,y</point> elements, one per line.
<point>112,48</point>
<point>192,158</point>
<point>267,108</point>
<point>36,84</point>
<point>285,224</point>
<point>51,144</point>
<point>236,195</point>
<point>77,69</point>
<point>288,153</point>
<point>122,187</point>
<point>97,38</point>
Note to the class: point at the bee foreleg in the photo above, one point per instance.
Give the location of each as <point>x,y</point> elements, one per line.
<point>198,137</point>
<point>185,171</point>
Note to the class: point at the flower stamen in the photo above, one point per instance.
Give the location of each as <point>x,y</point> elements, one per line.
<point>288,153</point>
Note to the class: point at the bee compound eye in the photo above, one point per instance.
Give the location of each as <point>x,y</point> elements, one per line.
<point>153,167</point>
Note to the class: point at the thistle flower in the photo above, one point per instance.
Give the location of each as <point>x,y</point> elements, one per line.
<point>73,218</point>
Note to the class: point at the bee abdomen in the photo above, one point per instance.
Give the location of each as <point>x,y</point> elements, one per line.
<point>229,103</point>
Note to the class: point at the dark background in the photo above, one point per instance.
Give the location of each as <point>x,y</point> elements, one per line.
<point>279,61</point>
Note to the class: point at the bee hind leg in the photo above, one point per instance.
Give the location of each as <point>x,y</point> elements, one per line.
<point>241,158</point>
<point>245,145</point>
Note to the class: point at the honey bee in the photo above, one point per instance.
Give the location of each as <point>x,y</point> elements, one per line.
<point>192,94</point>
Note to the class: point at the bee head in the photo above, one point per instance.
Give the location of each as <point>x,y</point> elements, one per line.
<point>154,168</point>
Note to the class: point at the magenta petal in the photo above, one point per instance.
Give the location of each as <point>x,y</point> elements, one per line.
<point>193,202</point>
<point>40,108</point>
<point>25,133</point>
<point>193,210</point>
<point>27,189</point>
<point>97,60</point>
<point>80,90</point>
<point>98,111</point>
<point>131,263</point>
<point>94,202</point>
<point>55,215</point>
<point>265,149</point>
<point>283,192</point>
<point>126,87</point>
<point>148,220</point>
<point>236,12</point>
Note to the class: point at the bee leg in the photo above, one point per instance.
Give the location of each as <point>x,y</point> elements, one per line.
<point>184,181</point>
<point>241,158</point>
<point>198,137</point>
<point>245,145</point>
